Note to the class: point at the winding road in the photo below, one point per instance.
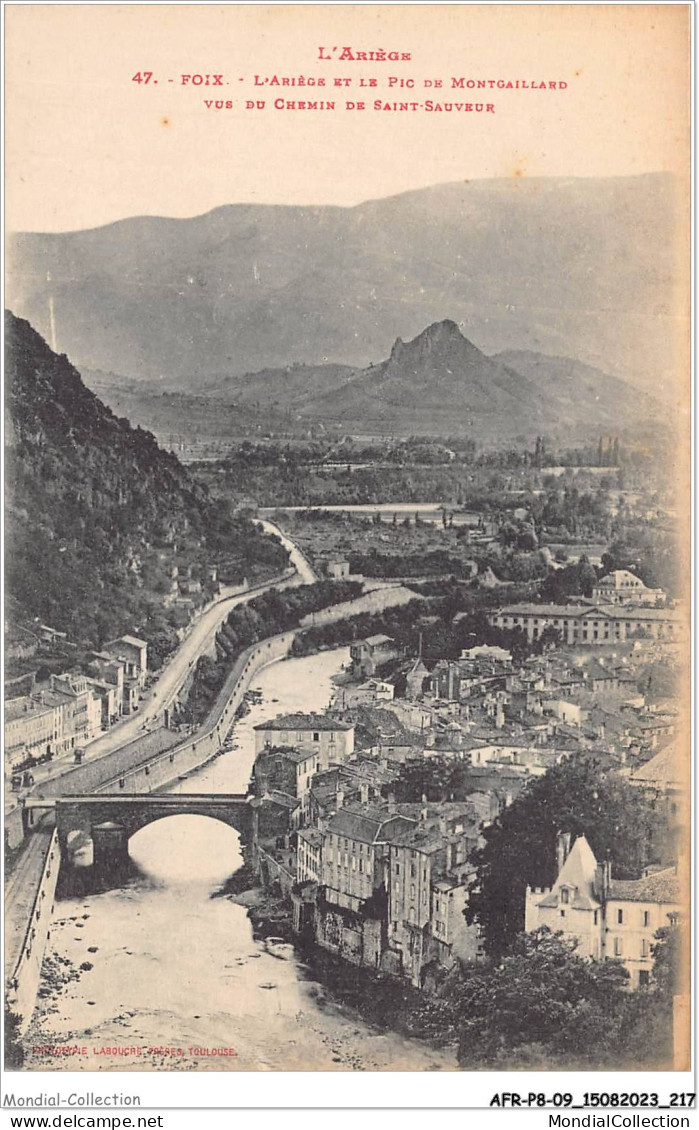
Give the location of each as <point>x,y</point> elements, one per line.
<point>173,675</point>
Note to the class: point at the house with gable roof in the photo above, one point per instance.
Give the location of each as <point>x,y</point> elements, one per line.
<point>610,918</point>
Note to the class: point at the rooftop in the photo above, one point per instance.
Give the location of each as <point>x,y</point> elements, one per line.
<point>618,578</point>
<point>304,722</point>
<point>25,707</point>
<point>134,641</point>
<point>666,768</point>
<point>575,610</point>
<point>364,822</point>
<point>660,887</point>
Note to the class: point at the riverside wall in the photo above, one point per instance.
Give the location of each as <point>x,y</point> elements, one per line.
<point>166,768</point>
<point>25,972</point>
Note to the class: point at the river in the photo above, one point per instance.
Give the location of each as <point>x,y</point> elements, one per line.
<point>176,976</point>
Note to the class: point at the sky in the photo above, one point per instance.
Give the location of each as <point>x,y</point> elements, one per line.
<point>87,145</point>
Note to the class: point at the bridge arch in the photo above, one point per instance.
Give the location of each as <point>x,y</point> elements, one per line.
<point>116,818</point>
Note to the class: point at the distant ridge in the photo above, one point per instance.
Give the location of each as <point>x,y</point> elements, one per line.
<point>552,265</point>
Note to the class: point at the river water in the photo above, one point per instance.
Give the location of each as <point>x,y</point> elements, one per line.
<point>176,979</point>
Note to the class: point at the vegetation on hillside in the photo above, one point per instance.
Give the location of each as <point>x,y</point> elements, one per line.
<point>97,515</point>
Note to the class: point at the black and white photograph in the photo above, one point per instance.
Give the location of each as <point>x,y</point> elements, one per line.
<point>347,555</point>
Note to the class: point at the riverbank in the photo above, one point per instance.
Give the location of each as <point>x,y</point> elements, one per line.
<point>177,967</point>
<point>386,1002</point>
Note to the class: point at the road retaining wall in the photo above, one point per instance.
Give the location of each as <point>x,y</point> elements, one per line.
<point>25,976</point>
<point>165,769</point>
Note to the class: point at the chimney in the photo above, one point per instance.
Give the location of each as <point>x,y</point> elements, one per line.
<point>449,855</point>
<point>364,792</point>
<point>499,717</point>
<point>603,877</point>
<point>562,850</point>
<point>391,802</point>
<point>423,812</point>
<point>339,798</point>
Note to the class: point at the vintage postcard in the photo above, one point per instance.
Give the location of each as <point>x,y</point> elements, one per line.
<point>347,612</point>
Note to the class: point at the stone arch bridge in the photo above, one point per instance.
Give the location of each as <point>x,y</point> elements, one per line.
<point>111,819</point>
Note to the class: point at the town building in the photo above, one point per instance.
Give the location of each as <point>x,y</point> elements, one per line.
<point>367,655</point>
<point>133,653</point>
<point>81,710</point>
<point>285,769</point>
<point>111,672</point>
<point>355,849</point>
<point>55,718</point>
<point>622,587</point>
<point>415,680</point>
<point>372,692</point>
<point>610,918</point>
<point>309,857</point>
<point>427,872</point>
<point>31,729</point>
<point>330,739</point>
<point>337,570</point>
<point>586,624</point>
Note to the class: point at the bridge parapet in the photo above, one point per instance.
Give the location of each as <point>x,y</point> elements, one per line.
<point>132,812</point>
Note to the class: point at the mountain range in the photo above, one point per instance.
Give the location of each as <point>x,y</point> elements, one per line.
<point>582,268</point>
<point>439,383</point>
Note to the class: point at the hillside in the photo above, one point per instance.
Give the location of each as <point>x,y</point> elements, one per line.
<point>439,379</point>
<point>613,402</point>
<point>96,514</point>
<point>441,383</point>
<point>553,265</point>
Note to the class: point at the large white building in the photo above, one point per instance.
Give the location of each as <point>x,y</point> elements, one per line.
<point>589,624</point>
<point>610,918</point>
<point>56,718</point>
<point>622,587</point>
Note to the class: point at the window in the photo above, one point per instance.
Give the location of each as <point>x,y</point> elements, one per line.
<point>398,869</point>
<point>646,918</point>
<point>595,918</point>
<point>331,736</point>
<point>643,978</point>
<point>617,947</point>
<point>316,737</point>
<point>565,895</point>
<point>620,917</point>
<point>563,914</point>
<point>645,948</point>
<point>412,890</point>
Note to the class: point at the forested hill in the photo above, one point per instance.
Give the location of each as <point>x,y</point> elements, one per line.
<point>97,515</point>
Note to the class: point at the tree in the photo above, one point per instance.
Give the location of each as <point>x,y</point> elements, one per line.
<point>542,1001</point>
<point>14,1051</point>
<point>577,796</point>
